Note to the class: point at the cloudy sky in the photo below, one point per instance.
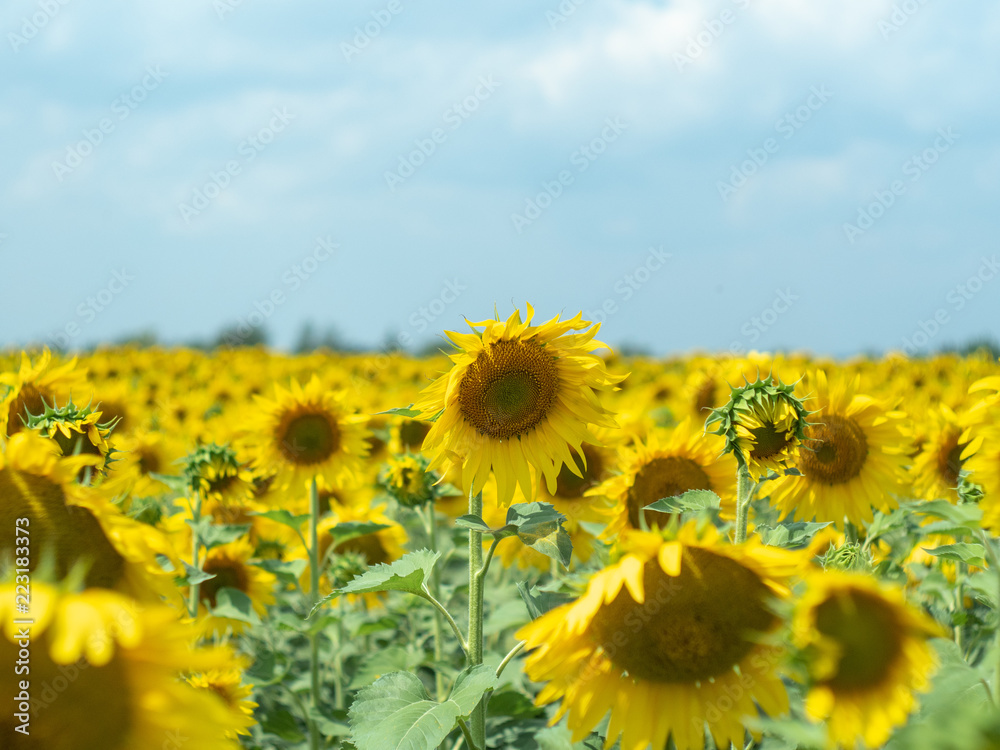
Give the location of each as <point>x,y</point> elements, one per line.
<point>699,175</point>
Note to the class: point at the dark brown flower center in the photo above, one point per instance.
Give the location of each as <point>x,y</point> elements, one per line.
<point>667,476</point>
<point>835,451</point>
<point>509,388</point>
<point>867,633</point>
<point>308,438</point>
<point>691,627</point>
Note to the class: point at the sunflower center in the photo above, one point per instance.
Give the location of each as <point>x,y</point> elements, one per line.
<point>667,476</point>
<point>768,441</point>
<point>71,532</point>
<point>228,574</point>
<point>705,398</point>
<point>84,692</point>
<point>149,462</point>
<point>867,634</point>
<point>29,400</point>
<point>308,439</point>
<point>691,627</point>
<point>569,485</point>
<point>412,433</point>
<point>950,460</point>
<point>509,389</point>
<point>838,452</point>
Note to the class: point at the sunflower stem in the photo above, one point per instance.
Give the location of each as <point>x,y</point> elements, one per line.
<point>435,590</point>
<point>507,659</point>
<point>991,558</point>
<point>477,721</point>
<point>195,593</point>
<point>313,598</point>
<point>850,533</point>
<point>744,491</point>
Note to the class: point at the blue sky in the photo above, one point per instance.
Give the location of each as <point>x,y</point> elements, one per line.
<point>745,173</point>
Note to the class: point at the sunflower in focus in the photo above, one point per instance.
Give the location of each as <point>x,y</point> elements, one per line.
<point>519,397</point>
<point>664,637</point>
<point>305,433</point>
<point>32,385</point>
<point>120,666</point>
<point>852,459</point>
<point>867,655</point>
<point>668,464</point>
<point>79,524</point>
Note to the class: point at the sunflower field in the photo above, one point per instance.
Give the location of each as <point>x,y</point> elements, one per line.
<point>526,541</point>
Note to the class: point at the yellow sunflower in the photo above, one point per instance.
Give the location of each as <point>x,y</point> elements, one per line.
<point>936,468</point>
<point>79,524</point>
<point>669,463</point>
<point>228,685</point>
<point>76,430</point>
<point>518,398</point>
<point>853,458</point>
<point>673,636</point>
<point>305,433</point>
<point>867,655</point>
<point>230,564</point>
<point>105,675</point>
<point>984,468</point>
<point>32,383</point>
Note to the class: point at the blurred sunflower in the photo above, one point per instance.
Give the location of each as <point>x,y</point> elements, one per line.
<point>228,685</point>
<point>307,432</point>
<point>120,664</point>
<point>32,383</point>
<point>518,398</point>
<point>665,635</point>
<point>79,524</point>
<point>867,655</point>
<point>77,430</point>
<point>852,460</point>
<point>669,463</point>
<point>231,566</point>
<point>936,469</point>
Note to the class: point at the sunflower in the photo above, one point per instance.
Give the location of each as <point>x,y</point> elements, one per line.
<point>231,567</point>
<point>76,430</point>
<point>228,685</point>
<point>852,460</point>
<point>105,675</point>
<point>669,463</point>
<point>984,468</point>
<point>79,524</point>
<point>32,385</point>
<point>305,433</point>
<point>406,478</point>
<point>518,398</point>
<point>673,636</point>
<point>867,654</point>
<point>936,469</point>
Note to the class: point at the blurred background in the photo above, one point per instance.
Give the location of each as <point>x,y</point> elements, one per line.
<point>722,176</point>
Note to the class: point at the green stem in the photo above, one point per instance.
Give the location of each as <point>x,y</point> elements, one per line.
<point>466,732</point>
<point>477,721</point>
<point>744,491</point>
<point>435,590</point>
<point>850,533</point>
<point>513,652</point>
<point>195,554</point>
<point>313,598</point>
<point>447,616</point>
<point>991,557</point>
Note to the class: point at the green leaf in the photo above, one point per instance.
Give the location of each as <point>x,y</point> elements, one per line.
<point>401,411</point>
<point>540,602</point>
<point>286,571</point>
<point>473,522</point>
<point>193,575</point>
<point>692,500</point>
<point>343,532</point>
<point>792,534</point>
<point>235,605</point>
<point>177,485</point>
<point>539,526</point>
<point>284,517</point>
<point>395,712</point>
<point>212,535</point>
<point>408,573</point>
<point>282,724</point>
<point>973,554</point>
<point>967,515</point>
